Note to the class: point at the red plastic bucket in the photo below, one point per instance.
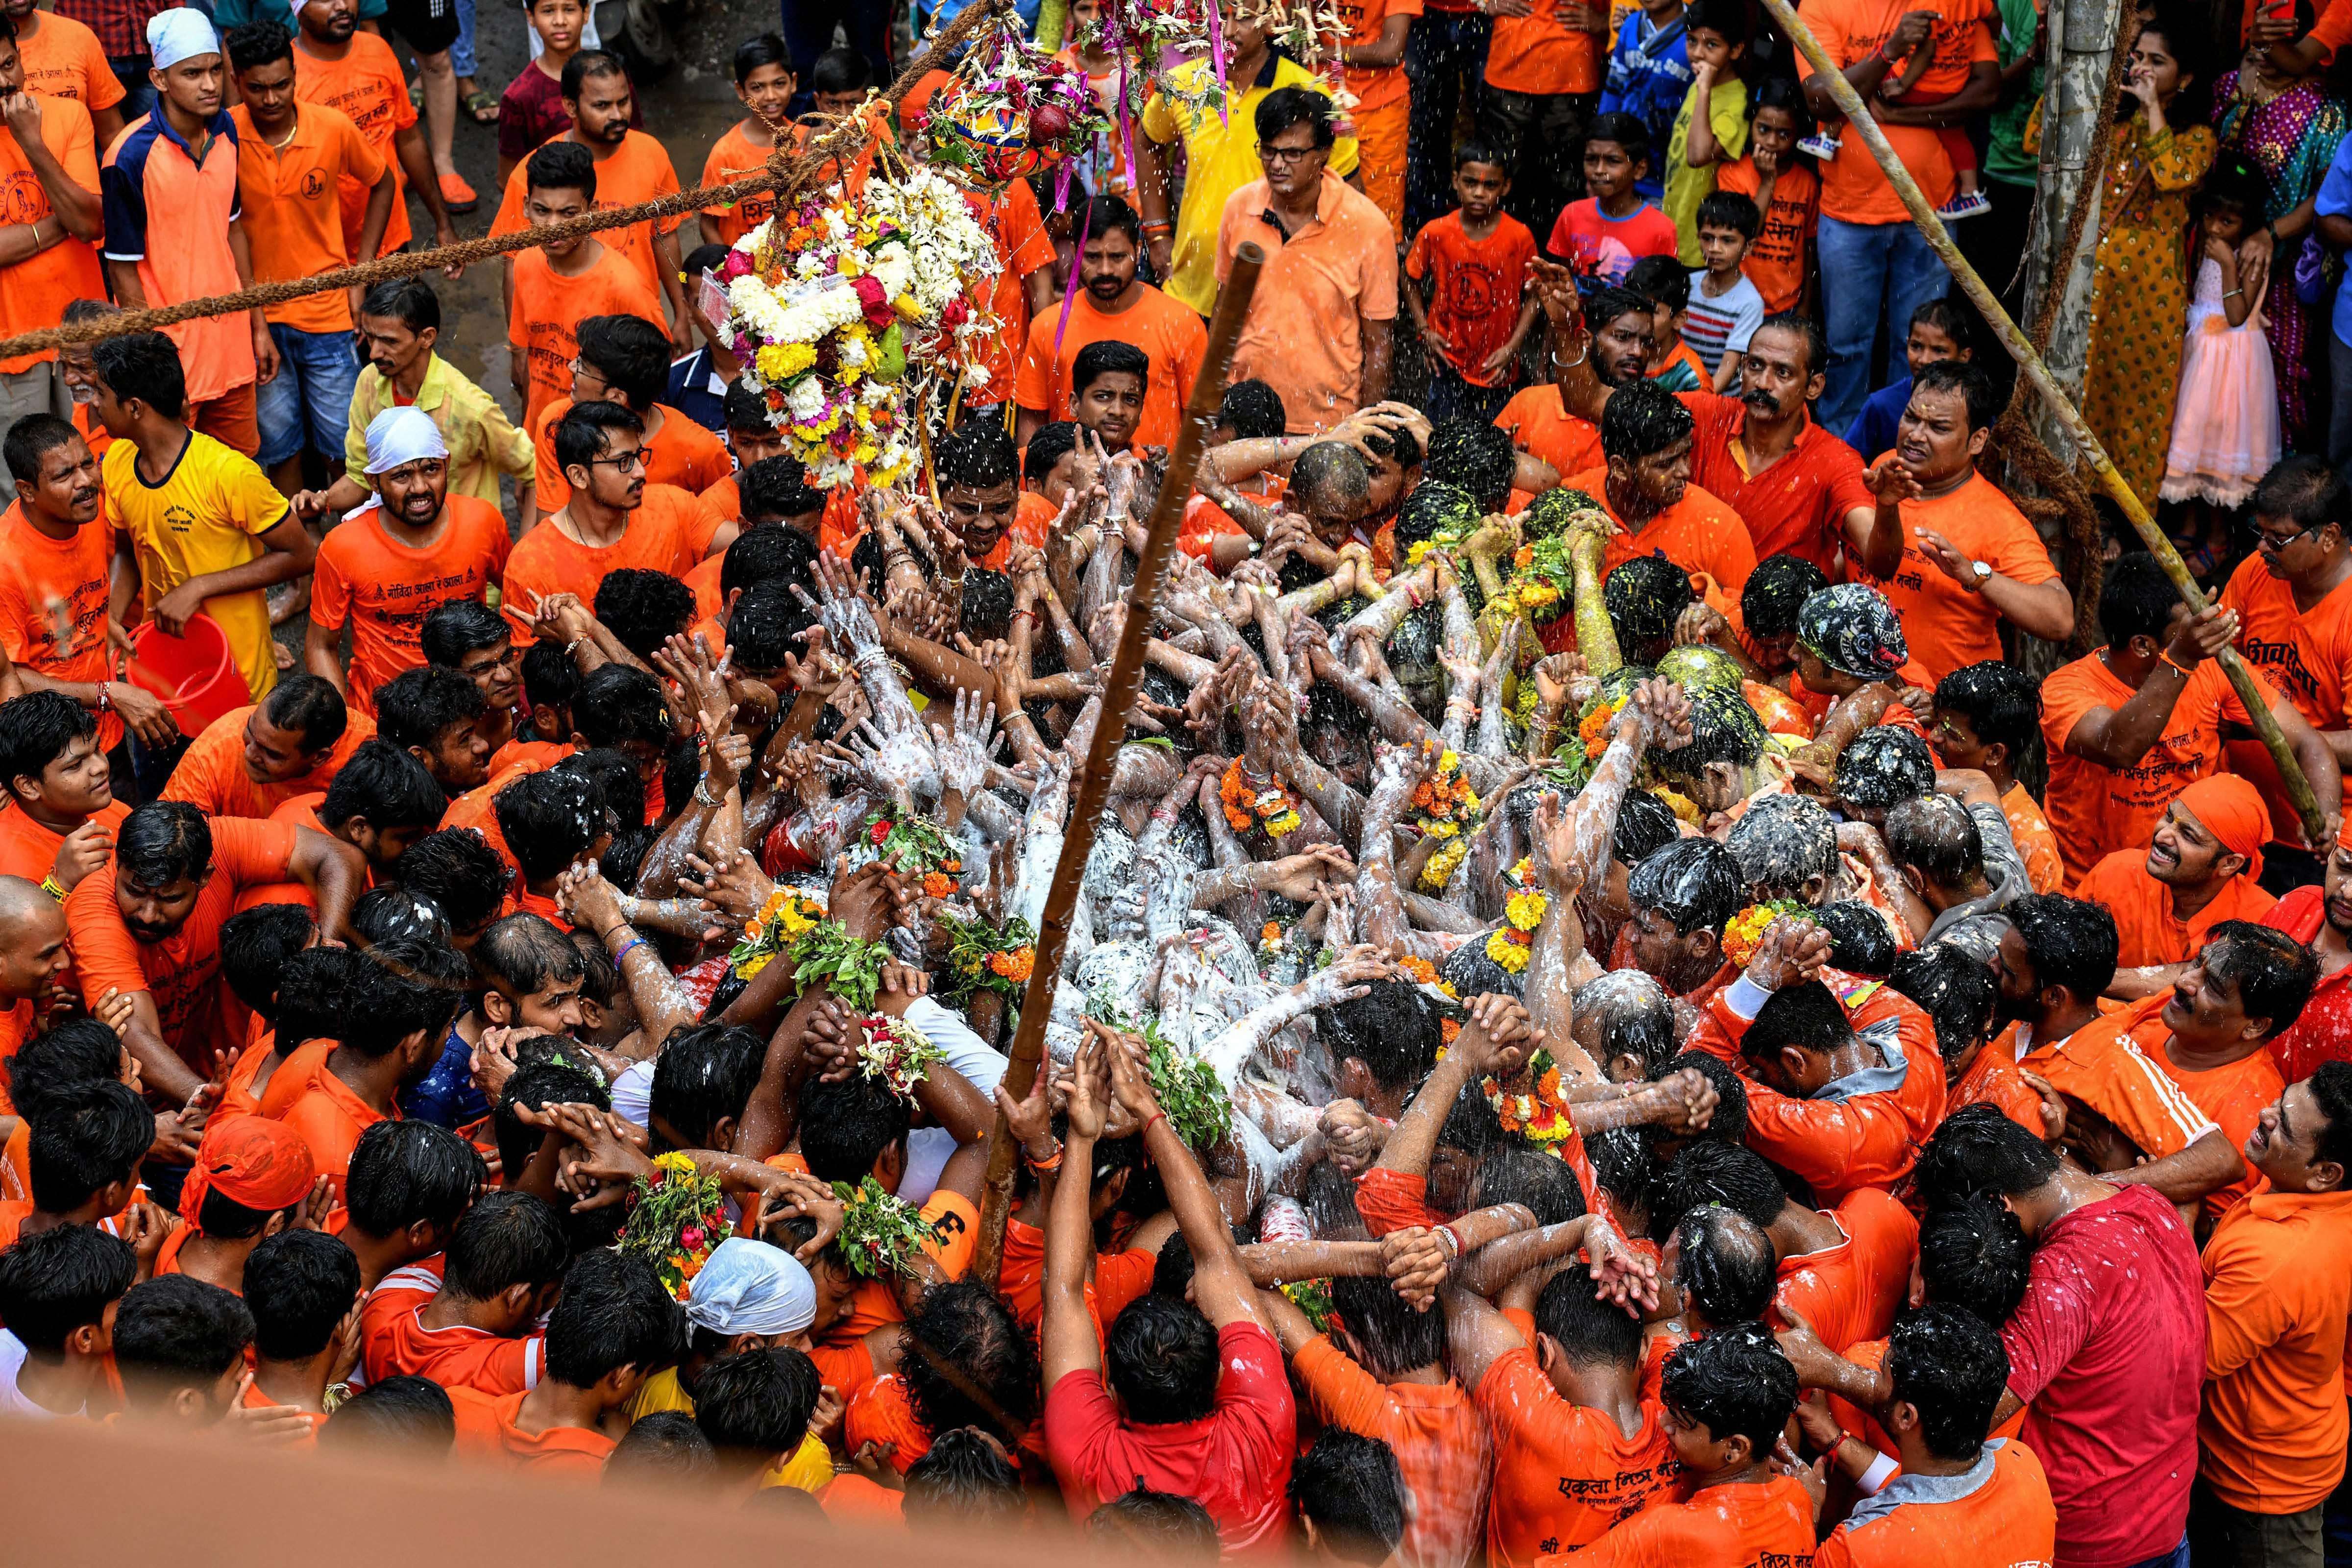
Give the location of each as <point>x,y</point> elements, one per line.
<point>196,675</point>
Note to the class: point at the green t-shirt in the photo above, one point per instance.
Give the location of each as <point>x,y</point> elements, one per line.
<point>1726,113</point>
<point>2005,158</point>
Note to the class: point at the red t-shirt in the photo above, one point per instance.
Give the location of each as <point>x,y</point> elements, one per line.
<point>1235,1460</point>
<point>2323,1033</point>
<point>2108,1352</point>
<point>1796,507</point>
<point>1606,247</point>
<point>1476,300</point>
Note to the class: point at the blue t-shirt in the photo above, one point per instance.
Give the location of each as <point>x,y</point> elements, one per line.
<point>1649,75</point>
<point>446,1095</point>
<point>2334,201</point>
<point>1872,434</point>
<point>690,392</point>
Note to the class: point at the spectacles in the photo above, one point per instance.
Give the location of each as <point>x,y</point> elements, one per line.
<point>2272,543</point>
<point>582,367</point>
<point>626,462</point>
<point>1286,155</point>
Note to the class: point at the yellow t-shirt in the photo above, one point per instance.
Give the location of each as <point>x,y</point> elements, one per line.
<point>1220,158</point>
<point>207,516</point>
<point>1726,115</point>
<point>809,1469</point>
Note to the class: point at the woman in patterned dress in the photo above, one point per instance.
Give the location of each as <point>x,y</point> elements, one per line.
<point>2139,293</point>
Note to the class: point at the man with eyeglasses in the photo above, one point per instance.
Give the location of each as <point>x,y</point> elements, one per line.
<point>625,359</point>
<point>614,518</point>
<point>411,548</point>
<point>2294,600</point>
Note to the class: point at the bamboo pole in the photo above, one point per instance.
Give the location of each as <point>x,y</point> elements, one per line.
<point>1110,731</point>
<point>2062,409</point>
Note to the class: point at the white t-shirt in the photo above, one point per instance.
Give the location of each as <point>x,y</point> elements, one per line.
<point>12,1398</point>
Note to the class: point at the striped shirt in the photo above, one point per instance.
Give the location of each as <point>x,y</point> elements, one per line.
<point>1716,322</point>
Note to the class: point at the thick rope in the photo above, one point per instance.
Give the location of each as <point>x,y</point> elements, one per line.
<point>785,175</point>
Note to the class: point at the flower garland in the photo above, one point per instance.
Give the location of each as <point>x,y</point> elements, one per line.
<point>1446,804</point>
<point>1011,110</point>
<point>1597,727</point>
<point>1247,805</point>
<point>781,921</point>
<point>881,1232</point>
<point>1513,944</point>
<point>1541,580</point>
<point>1533,1106</point>
<point>677,1219</point>
<point>850,967</point>
<point>915,845</point>
<point>1312,1298</point>
<point>982,957</point>
<point>1743,933</point>
<point>895,1054</point>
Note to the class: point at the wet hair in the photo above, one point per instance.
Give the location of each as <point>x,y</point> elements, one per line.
<point>586,65</point>
<point>59,1280</point>
<point>1643,420</point>
<point>549,677</point>
<point>1391,1029</point>
<point>1776,590</point>
<point>967,1362</point>
<point>2331,1088</point>
<point>387,787</point>
<point>1977,1152</point>
<point>984,611</point>
<point>585,430</point>
<point>612,1312</point>
<point>1168,1524</point>
<point>848,1126</point>
<point>1817,342</point>
<point>1860,941</point>
<point>1472,973</point>
<point>411,302</point>
<point>535,1088</point>
<point>404,1409</point>
<point>630,355</point>
<point>1936,835</point>
<point>1729,1121</point>
<point>392,910</point>
<point>2069,942</point>
<point>1662,280</point>
<point>1474,457</point>
<point>562,166</point>
<point>1329,473</point>
<point>1161,1358</point>
<point>146,365</point>
<point>759,1401</point>
<point>1885,766</point>
<point>1284,106</point>
<point>664,1446</point>
<point>412,1172</point>
<point>1048,444</point>
<point>1349,1487</point>
<point>1693,882</point>
<point>254,943</point>
<point>840,70</point>
<point>1729,209</point>
<point>2273,973</point>
<point>1391,1338</point>
<point>1973,1254</point>
<point>1807,1015</point>
<point>625,862</point>
<point>1636,1022</point>
<point>29,440</point>
<point>457,871</point>
<point>403,988</point>
<point>1958,993</point>
<point>644,609</point>
<point>1644,597</point>
<point>310,706</point>
<point>315,993</point>
<point>1952,1366</point>
<point>298,1285</point>
<point>1624,129</point>
<point>1645,824</point>
<point>87,1136</point>
<point>1711,1172</point>
<point>1606,305</point>
<point>550,819</point>
<point>2304,490</point>
<point>1735,1383</point>
<point>977,455</point>
<point>417,707</point>
<point>1253,411</point>
<point>766,627</point>
<point>760,49</point>
<point>1432,508</point>
<point>37,728</point>
<point>1782,842</point>
<point>1970,382</point>
<point>1590,1329</point>
<point>2136,600</point>
<point>962,1477</point>
<point>178,1327</point>
<point>1727,1267</point>
<point>1108,356</point>
<point>77,1051</point>
<point>1110,215</point>
<point>1724,729</point>
<point>1543,1186</point>
<point>614,777</point>
<point>2002,703</point>
<point>775,489</point>
<point>704,1074</point>
<point>458,627</point>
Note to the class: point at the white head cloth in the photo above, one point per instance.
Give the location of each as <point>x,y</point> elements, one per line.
<point>398,436</point>
<point>182,33</point>
<point>749,1286</point>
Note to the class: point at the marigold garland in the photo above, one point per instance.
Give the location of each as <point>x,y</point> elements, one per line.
<point>1532,1105</point>
<point>779,923</point>
<point>1246,805</point>
<point>677,1219</point>
<point>1513,944</point>
<point>1596,728</point>
<point>1743,933</point>
<point>982,957</point>
<point>881,1232</point>
<point>1446,807</point>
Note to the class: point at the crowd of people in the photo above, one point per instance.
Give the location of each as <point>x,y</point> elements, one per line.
<point>1608,1016</point>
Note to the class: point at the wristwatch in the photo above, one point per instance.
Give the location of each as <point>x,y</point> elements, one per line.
<point>1979,573</point>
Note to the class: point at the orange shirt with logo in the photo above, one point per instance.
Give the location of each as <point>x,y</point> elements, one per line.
<point>668,532</point>
<point>1475,302</point>
<point>2109,1064</point>
<point>2234,1096</point>
<point>385,588</point>
<point>1563,1473</point>
<point>367,87</point>
<point>64,59</point>
<point>681,454</point>
<point>2278,1284</point>
<point>53,604</point>
<point>1947,626</point>
<point>543,324</point>
<point>1853,190</point>
<point>211,773</point>
<point>1750,1524</point>
<point>1775,263</point>
<point>1170,337</point>
<point>35,292</point>
<point>295,223</point>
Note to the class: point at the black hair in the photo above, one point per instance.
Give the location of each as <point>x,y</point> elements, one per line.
<point>456,628</point>
<point>586,65</point>
<point>59,1280</point>
<point>176,1326</point>
<point>418,706</point>
<point>39,727</point>
<point>1112,215</point>
<point>404,1409</point>
<point>1973,1254</point>
<point>387,787</point>
<point>2306,491</point>
<point>616,783</point>
<point>1735,1383</point>
<point>1168,1524</point>
<point>1958,993</point>
<point>1660,280</point>
<point>1284,106</point>
<point>1108,356</point>
<point>618,704</point>
<point>1860,941</point>
<point>1391,1029</point>
<point>562,166</point>
<point>1622,129</point>
<point>526,952</point>
<point>400,989</point>
<point>1645,824</point>
<point>1393,1338</point>
<point>457,871</point>
<point>773,489</point>
<point>1349,1487</point>
<point>1470,150</point>
<point>759,1400</point>
<point>1727,1269</point>
<point>1607,304</point>
<point>1969,380</point>
<point>977,455</point>
<point>88,1137</point>
<point>1977,1152</point>
<point>254,943</point>
<point>766,627</point>
<point>760,49</point>
<point>1590,1329</point>
<point>29,440</point>
<point>1776,590</point>
<point>2002,703</point>
<point>1252,410</point>
<point>536,1088</point>
<point>666,1446</point>
<point>410,300</point>
<point>1544,1186</point>
<point>1711,1172</point>
<point>612,1312</point>
<point>412,1172</point>
<point>1731,210</point>
<point>77,1051</point>
<point>643,608</point>
<point>1693,882</point>
<point>2331,1090</point>
<point>1782,843</point>
<point>1474,457</point>
<point>1807,1015</point>
<point>1471,1125</point>
<point>1048,444</point>
<point>2136,600</point>
<point>1952,1366</point>
<point>2273,973</point>
<point>625,860</point>
<point>548,820</point>
<point>146,365</point>
<point>704,1074</point>
<point>1643,420</point>
<point>585,429</point>
<point>299,1286</point>
<point>630,354</point>
<point>315,993</point>
<point>1729,1121</point>
<point>310,706</point>
<point>962,1474</point>
<point>1644,597</point>
<point>257,43</point>
<point>1817,342</point>
<point>846,1127</point>
<point>840,70</point>
<point>1885,766</point>
<point>1729,18</point>
<point>2068,941</point>
<point>1161,1358</point>
<point>984,609</point>
<point>967,1362</point>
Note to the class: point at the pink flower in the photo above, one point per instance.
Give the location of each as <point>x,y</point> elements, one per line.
<point>738,263</point>
<point>874,299</point>
<point>691,1239</point>
<point>956,314</point>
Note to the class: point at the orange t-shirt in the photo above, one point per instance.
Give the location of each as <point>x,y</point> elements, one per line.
<point>182,973</point>
<point>211,773</point>
<point>2109,1064</point>
<point>329,1117</point>
<point>1851,1292</point>
<point>638,170</point>
<point>1698,533</point>
<point>29,850</point>
<point>53,602</point>
<point>35,292</point>
<point>2149,931</point>
<point>1479,282</point>
<point>1540,425</point>
<point>2036,845</point>
<point>1170,337</point>
<point>852,1498</point>
<point>16,1029</point>
<point>1375,87</point>
<point>385,588</point>
<point>476,808</point>
<point>64,59</point>
<point>2234,1096</point>
<point>394,1341</point>
<point>1992,1078</point>
<point>1947,626</point>
<point>1013,221</point>
<point>1750,1524</point>
<point>2008,1519</point>
<point>2278,1282</point>
<point>1540,53</point>
<point>670,533</point>
<point>367,86</point>
<point>681,454</point>
<point>1563,1473</point>
<point>2306,655</point>
<point>1775,262</point>
<point>2095,810</point>
<point>487,1430</point>
<point>732,157</point>
<point>548,307</point>
<point>295,221</point>
<point>1853,188</point>
<point>1436,1432</point>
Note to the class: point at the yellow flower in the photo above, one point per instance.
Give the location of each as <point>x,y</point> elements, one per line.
<point>1526,911</point>
<point>1507,952</point>
<point>1282,825</point>
<point>1443,829</point>
<point>1448,761</point>
<point>675,1163</point>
